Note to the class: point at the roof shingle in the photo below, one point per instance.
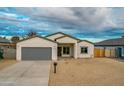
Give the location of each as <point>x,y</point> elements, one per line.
<point>111,42</point>
<point>3,40</point>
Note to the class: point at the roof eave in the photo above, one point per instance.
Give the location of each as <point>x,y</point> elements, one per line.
<point>109,45</point>
<point>86,41</point>
<point>63,34</point>
<point>38,37</point>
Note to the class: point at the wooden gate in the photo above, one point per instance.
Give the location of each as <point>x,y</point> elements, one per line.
<point>110,52</point>
<point>107,52</point>
<point>98,52</point>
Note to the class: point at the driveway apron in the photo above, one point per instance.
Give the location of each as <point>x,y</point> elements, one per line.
<point>28,73</point>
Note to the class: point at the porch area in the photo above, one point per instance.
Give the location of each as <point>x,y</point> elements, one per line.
<point>66,50</point>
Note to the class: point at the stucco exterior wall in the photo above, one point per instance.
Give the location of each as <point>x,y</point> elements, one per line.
<point>76,50</point>
<point>90,53</point>
<point>36,42</point>
<point>53,37</point>
<point>66,40</point>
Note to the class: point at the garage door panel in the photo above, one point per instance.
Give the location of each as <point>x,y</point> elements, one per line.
<point>36,53</point>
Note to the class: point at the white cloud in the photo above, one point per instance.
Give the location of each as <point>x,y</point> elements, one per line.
<point>91,19</point>
<point>80,21</point>
<point>85,18</point>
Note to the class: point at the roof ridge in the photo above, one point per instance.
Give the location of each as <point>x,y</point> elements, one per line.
<point>109,39</point>
<point>63,34</point>
<point>53,34</point>
<point>36,36</point>
<point>4,40</point>
<point>114,41</point>
<point>86,41</point>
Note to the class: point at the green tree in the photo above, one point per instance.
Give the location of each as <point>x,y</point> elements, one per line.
<point>15,39</point>
<point>31,34</point>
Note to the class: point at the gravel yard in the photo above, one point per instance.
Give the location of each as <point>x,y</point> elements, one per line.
<point>6,63</point>
<point>96,71</point>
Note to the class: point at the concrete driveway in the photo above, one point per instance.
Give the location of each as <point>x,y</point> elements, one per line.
<point>26,73</point>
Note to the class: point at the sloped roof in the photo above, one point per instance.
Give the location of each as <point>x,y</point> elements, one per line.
<point>79,40</point>
<point>54,34</point>
<point>3,40</point>
<point>64,35</point>
<point>39,37</point>
<point>111,42</point>
<point>85,41</point>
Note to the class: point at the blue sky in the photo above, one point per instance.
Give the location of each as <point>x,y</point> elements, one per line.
<point>93,24</point>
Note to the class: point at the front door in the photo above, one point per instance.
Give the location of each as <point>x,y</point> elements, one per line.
<point>119,52</point>
<point>66,51</point>
<point>59,51</point>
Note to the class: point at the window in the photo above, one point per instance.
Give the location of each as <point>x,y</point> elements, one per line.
<point>66,50</point>
<point>84,50</point>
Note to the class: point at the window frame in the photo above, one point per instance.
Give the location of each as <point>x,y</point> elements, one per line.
<point>84,50</point>
<point>66,50</point>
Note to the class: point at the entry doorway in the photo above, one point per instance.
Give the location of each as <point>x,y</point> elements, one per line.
<point>59,51</point>
<point>119,53</point>
<point>65,51</point>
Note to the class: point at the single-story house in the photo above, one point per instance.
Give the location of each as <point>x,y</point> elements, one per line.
<point>7,49</point>
<point>110,48</point>
<point>52,47</point>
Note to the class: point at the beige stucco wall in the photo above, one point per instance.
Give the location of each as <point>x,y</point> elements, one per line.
<point>66,40</point>
<point>53,37</point>
<point>36,42</point>
<point>69,40</point>
<point>76,48</point>
<point>90,53</point>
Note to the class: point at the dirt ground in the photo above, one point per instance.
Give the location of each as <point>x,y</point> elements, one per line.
<point>6,63</point>
<point>96,71</point>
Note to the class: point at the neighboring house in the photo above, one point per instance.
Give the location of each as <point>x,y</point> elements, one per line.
<point>7,49</point>
<point>110,48</point>
<point>53,46</point>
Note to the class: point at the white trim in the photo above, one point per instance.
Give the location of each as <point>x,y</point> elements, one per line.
<point>75,50</point>
<point>84,47</point>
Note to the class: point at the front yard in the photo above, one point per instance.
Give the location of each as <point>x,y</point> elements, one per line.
<point>6,63</point>
<point>96,71</point>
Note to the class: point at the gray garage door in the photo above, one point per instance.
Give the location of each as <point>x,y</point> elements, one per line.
<point>36,53</point>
